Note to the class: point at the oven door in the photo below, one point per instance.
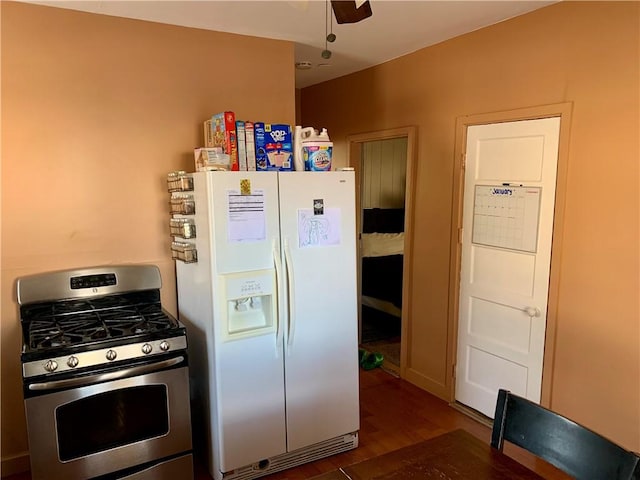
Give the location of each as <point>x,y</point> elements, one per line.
<point>85,431</point>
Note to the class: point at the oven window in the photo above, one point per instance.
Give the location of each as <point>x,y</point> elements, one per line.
<point>111,419</point>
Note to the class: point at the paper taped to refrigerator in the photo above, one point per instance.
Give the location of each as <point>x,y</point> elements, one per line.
<point>319,230</point>
<point>246,216</point>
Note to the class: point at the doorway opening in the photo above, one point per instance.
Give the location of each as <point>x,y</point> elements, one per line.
<point>384,175</point>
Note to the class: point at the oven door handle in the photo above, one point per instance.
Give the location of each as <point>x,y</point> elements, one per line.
<point>104,377</point>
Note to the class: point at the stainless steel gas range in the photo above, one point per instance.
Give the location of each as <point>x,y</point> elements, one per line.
<point>105,376</point>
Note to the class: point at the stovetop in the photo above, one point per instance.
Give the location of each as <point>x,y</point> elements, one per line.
<point>72,323</point>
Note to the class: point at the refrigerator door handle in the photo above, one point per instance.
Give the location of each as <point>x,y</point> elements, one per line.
<point>291,293</point>
<point>280,310</point>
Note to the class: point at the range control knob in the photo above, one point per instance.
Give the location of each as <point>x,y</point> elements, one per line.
<point>51,365</point>
<point>72,361</point>
<point>111,355</point>
<point>146,348</point>
<point>164,345</point>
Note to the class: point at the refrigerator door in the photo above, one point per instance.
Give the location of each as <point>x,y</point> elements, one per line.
<point>318,236</point>
<point>248,355</point>
<point>244,209</point>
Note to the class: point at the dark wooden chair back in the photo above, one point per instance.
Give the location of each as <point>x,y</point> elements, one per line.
<point>572,448</point>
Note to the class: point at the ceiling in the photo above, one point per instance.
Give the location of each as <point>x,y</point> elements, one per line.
<point>396,27</point>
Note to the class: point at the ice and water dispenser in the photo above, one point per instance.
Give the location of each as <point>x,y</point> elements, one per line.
<point>251,303</point>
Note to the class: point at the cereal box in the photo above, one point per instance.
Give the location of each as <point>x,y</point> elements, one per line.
<point>274,148</point>
<point>250,145</point>
<point>223,135</point>
<point>242,145</point>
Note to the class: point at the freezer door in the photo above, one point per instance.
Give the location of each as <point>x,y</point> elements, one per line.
<point>244,219</point>
<point>318,237</point>
<point>247,351</point>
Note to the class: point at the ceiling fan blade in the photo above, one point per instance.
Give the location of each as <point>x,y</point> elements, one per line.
<point>348,12</point>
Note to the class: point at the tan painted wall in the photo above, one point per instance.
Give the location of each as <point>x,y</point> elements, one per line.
<point>96,110</point>
<point>585,53</point>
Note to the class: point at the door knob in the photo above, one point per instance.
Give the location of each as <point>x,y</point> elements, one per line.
<point>532,311</point>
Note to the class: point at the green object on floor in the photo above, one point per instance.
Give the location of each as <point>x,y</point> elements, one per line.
<point>370,360</point>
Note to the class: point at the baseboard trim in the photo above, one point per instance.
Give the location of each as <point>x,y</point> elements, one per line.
<point>15,464</point>
<point>470,412</point>
<point>430,385</point>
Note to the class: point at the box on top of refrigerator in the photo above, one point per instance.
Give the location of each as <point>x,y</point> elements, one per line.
<point>242,145</point>
<point>250,145</point>
<point>211,159</point>
<point>274,147</point>
<point>222,134</point>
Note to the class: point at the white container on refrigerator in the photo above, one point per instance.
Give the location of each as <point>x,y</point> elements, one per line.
<point>271,310</point>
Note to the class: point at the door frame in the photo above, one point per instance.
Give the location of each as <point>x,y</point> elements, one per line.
<point>354,160</point>
<point>562,110</point>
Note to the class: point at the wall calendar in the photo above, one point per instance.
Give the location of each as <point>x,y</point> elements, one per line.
<point>506,216</point>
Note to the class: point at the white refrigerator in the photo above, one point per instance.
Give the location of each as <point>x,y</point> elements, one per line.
<point>271,313</point>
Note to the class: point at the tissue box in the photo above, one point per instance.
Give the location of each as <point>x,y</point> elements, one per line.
<point>211,159</point>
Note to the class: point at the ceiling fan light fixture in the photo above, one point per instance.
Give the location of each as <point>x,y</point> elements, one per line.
<point>328,37</point>
<point>351,11</point>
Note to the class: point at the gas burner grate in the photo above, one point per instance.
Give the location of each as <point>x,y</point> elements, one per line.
<point>63,331</point>
<point>87,327</point>
<point>51,336</point>
<point>71,307</point>
<point>59,339</point>
<point>143,320</point>
<point>37,311</point>
<point>132,299</point>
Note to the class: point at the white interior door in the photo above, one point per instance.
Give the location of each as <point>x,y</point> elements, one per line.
<point>509,195</point>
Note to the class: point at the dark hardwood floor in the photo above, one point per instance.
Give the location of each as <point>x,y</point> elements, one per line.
<point>394,414</point>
